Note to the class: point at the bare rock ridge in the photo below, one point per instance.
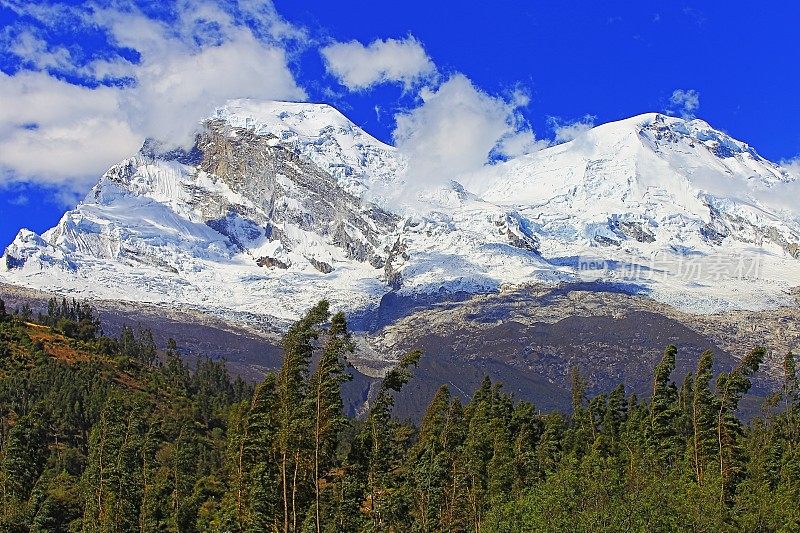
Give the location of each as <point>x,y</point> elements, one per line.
<point>284,189</point>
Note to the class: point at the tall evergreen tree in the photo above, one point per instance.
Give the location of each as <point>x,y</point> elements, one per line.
<point>730,389</point>
<point>429,465</point>
<point>614,416</point>
<point>325,399</point>
<point>23,453</point>
<point>293,418</point>
<point>664,411</point>
<point>383,454</point>
<point>114,491</point>
<point>790,392</point>
<point>253,465</point>
<point>702,443</point>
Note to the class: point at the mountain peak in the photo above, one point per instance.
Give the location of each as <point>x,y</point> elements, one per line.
<point>268,213</point>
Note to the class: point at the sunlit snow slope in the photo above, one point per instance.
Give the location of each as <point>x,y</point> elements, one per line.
<point>275,208</point>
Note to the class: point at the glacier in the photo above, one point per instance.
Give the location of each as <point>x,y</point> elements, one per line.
<point>280,204</point>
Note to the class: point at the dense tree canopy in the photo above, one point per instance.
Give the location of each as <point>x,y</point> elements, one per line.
<point>112,434</point>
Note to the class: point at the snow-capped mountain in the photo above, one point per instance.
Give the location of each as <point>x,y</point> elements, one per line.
<point>279,204</point>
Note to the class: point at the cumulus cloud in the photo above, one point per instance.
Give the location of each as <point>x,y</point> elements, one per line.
<point>456,130</point>
<point>792,167</point>
<point>58,132</point>
<point>685,102</point>
<point>359,67</point>
<point>174,90</point>
<point>567,131</point>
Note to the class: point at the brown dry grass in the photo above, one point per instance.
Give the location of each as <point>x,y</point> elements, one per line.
<point>55,344</point>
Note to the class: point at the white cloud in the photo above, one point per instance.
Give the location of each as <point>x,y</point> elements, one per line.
<point>57,132</point>
<point>38,54</point>
<point>19,200</point>
<point>60,133</point>
<point>567,131</point>
<point>685,102</point>
<point>175,90</point>
<point>179,82</point>
<point>792,167</point>
<point>455,131</point>
<point>359,67</point>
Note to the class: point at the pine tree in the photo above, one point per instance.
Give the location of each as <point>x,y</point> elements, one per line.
<point>527,428</point>
<point>23,454</point>
<point>256,461</point>
<point>175,370</point>
<point>488,451</point>
<point>582,432</point>
<point>293,417</point>
<point>703,407</point>
<point>663,432</point>
<point>730,389</point>
<point>550,449</point>
<point>452,440</point>
<point>325,399</point>
<point>613,418</point>
<point>429,464</point>
<point>153,513</point>
<point>113,490</point>
<point>382,453</point>
<point>790,392</point>
<point>183,473</point>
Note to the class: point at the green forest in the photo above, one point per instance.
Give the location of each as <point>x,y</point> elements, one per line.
<point>115,434</point>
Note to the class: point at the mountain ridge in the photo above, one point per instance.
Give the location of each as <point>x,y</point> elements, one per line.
<point>272,209</point>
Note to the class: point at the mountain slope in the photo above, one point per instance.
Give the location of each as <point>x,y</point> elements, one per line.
<point>278,205</point>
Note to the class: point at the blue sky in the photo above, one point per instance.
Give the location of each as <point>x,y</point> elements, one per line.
<point>83,83</point>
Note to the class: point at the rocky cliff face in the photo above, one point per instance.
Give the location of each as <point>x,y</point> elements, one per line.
<point>286,193</point>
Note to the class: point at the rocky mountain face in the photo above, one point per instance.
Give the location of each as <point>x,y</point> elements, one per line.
<point>278,205</point>
<point>268,212</point>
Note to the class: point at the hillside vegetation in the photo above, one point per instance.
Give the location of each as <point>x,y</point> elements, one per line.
<point>113,434</point>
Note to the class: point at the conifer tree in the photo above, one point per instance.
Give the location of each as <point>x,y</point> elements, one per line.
<point>550,449</point>
<point>452,441</point>
<point>183,473</point>
<point>111,477</point>
<point>293,418</point>
<point>790,392</point>
<point>153,513</point>
<point>23,454</point>
<point>613,418</point>
<point>582,430</point>
<point>703,407</point>
<point>488,451</point>
<point>382,454</point>
<point>175,370</point>
<point>664,411</point>
<point>256,462</point>
<point>428,468</point>
<point>325,399</point>
<point>527,428</point>
<point>730,389</point>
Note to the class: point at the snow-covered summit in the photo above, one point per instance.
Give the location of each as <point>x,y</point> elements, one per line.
<point>270,211</point>
<point>323,135</point>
